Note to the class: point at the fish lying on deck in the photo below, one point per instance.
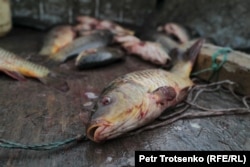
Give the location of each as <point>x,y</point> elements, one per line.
<point>150,51</point>
<point>56,39</point>
<point>96,39</point>
<point>98,57</point>
<point>17,68</point>
<point>135,99</point>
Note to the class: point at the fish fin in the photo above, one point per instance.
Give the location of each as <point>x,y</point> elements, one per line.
<point>184,61</point>
<point>183,93</point>
<point>15,75</point>
<point>53,80</point>
<point>164,94</point>
<point>193,51</point>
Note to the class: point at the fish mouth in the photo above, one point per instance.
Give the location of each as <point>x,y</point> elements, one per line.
<point>96,132</point>
<point>102,131</point>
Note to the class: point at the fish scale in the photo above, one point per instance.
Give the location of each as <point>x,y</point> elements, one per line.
<point>10,62</point>
<point>155,78</point>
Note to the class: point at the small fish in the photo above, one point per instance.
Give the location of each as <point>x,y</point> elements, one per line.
<point>175,30</point>
<point>98,57</point>
<point>136,99</point>
<point>96,39</point>
<point>56,39</point>
<point>150,51</point>
<point>17,68</point>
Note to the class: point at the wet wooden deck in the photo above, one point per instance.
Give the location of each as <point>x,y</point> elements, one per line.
<point>32,113</point>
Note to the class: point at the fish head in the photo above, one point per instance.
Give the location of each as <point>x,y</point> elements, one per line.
<point>116,112</point>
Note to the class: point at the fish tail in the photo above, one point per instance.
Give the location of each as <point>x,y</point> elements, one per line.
<point>14,74</point>
<point>184,61</point>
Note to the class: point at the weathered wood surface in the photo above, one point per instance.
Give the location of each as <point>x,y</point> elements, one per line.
<point>33,113</point>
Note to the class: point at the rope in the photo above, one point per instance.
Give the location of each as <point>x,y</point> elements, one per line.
<point>214,66</point>
<point>41,147</point>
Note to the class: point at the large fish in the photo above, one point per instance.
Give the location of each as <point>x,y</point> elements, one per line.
<point>96,39</point>
<point>136,99</point>
<point>56,39</point>
<point>17,68</point>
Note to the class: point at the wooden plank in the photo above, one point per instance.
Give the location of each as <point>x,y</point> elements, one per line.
<point>235,68</point>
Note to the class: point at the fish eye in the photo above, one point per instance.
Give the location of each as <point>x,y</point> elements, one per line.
<point>106,100</point>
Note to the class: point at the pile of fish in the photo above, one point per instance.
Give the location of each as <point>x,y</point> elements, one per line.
<point>91,37</point>
<point>97,43</point>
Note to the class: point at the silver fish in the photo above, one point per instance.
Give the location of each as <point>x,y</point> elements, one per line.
<point>94,40</point>
<point>98,57</point>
